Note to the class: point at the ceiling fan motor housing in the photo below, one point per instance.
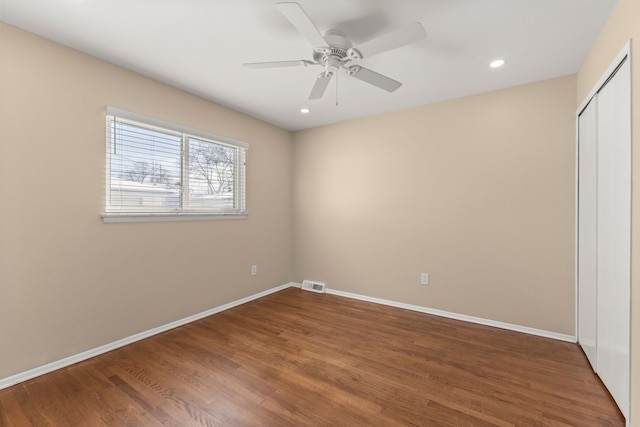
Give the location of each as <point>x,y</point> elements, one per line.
<point>336,54</point>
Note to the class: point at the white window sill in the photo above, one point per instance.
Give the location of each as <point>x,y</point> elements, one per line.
<point>109,218</point>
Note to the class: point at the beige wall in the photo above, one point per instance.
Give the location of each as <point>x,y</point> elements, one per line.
<point>624,24</point>
<point>478,192</point>
<point>68,282</point>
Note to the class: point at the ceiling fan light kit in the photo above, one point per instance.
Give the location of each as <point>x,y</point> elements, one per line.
<point>334,51</point>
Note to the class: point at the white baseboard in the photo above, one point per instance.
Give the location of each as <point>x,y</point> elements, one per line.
<point>67,361</point>
<point>456,316</point>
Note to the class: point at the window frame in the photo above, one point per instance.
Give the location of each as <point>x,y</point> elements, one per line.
<point>188,213</point>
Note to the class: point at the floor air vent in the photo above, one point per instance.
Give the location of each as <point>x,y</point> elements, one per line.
<point>308,285</point>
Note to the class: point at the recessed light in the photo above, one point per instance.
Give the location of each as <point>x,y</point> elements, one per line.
<point>497,63</point>
<point>304,110</point>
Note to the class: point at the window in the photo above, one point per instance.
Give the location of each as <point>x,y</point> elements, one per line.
<point>162,171</point>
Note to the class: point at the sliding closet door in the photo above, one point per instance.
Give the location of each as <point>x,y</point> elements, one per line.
<point>614,231</point>
<point>587,228</point>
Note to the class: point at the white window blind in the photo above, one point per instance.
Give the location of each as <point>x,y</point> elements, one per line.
<point>157,169</point>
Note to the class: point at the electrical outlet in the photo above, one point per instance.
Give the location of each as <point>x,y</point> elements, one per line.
<point>254,270</point>
<point>424,278</point>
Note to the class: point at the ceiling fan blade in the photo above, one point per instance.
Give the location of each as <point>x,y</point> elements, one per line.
<point>300,20</point>
<point>320,85</point>
<point>401,37</point>
<point>278,64</point>
<point>373,78</point>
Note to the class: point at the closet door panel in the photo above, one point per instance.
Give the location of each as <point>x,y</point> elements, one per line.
<point>587,228</point>
<point>614,231</point>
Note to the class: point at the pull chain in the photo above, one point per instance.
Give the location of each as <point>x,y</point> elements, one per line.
<point>337,74</point>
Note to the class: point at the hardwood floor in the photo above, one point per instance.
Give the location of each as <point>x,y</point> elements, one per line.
<point>297,358</point>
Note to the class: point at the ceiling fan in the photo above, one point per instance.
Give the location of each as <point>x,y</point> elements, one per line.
<point>334,51</point>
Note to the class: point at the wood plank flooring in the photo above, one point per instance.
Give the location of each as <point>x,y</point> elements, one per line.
<point>297,358</point>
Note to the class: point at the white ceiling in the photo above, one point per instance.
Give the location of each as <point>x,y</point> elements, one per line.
<point>200,46</point>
